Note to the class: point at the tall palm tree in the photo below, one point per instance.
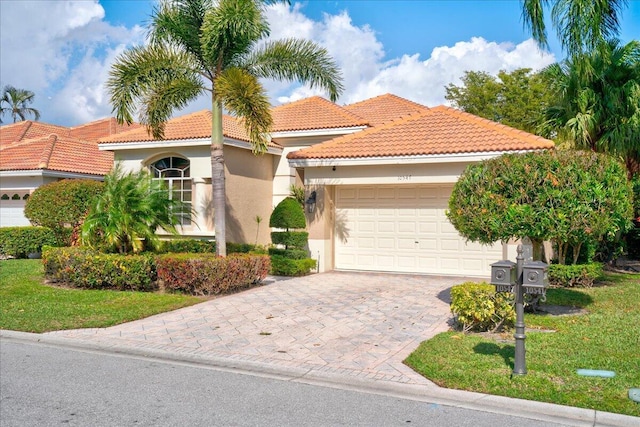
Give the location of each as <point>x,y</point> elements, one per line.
<point>600,110</point>
<point>581,25</point>
<point>214,46</point>
<point>16,102</point>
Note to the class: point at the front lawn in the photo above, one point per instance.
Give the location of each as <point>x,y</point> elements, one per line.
<point>607,338</point>
<point>26,304</point>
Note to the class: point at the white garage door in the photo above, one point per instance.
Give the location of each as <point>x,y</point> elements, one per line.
<point>404,229</point>
<point>12,213</point>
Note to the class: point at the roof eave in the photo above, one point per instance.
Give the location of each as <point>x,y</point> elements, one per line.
<point>48,173</point>
<point>317,132</point>
<point>395,160</point>
<point>173,143</point>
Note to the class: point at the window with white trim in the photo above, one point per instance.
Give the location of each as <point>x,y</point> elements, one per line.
<point>175,172</point>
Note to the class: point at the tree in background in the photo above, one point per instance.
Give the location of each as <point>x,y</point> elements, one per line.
<point>581,25</point>
<point>126,215</point>
<point>576,199</point>
<point>599,110</point>
<point>214,47</point>
<point>15,102</point>
<point>62,205</point>
<point>517,99</point>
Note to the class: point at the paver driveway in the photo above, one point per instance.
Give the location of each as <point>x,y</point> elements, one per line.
<point>356,324</point>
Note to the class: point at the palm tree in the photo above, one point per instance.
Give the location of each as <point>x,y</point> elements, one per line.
<point>581,25</point>
<point>600,110</point>
<point>16,102</point>
<point>214,46</point>
<point>125,216</point>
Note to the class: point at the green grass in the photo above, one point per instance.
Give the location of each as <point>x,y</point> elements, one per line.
<point>26,304</point>
<point>607,337</point>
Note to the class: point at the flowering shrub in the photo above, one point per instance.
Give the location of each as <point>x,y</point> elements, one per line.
<point>83,268</point>
<point>478,307</point>
<point>206,274</point>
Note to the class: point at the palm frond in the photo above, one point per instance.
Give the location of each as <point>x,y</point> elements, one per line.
<point>533,20</point>
<point>294,59</point>
<point>243,95</point>
<point>157,77</point>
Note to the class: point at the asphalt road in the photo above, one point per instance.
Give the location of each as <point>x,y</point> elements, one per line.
<point>45,385</point>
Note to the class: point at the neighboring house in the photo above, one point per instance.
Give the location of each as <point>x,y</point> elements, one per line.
<point>381,171</point>
<point>35,153</point>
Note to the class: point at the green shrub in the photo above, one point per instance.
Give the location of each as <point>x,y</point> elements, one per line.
<point>289,253</point>
<point>83,268</point>
<point>574,276</point>
<point>288,214</point>
<point>62,205</point>
<point>187,246</point>
<point>283,266</point>
<point>207,274</point>
<point>19,242</point>
<point>477,307</point>
<point>290,239</point>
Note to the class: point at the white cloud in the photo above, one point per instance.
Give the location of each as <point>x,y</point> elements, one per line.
<point>62,55</point>
<point>65,53</point>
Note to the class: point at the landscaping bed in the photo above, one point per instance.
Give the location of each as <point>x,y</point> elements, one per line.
<point>604,337</point>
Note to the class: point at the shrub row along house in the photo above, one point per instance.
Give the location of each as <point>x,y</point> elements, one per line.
<point>377,177</point>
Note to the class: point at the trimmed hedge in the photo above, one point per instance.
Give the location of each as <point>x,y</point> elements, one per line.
<point>574,276</point>
<point>288,214</point>
<point>284,266</point>
<point>290,239</point>
<point>289,253</point>
<point>477,307</point>
<point>207,274</point>
<point>83,268</point>
<point>19,242</point>
<point>197,246</point>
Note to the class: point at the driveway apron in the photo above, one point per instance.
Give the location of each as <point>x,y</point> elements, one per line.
<point>359,324</point>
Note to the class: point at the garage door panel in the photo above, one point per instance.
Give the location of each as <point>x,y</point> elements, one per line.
<point>404,229</point>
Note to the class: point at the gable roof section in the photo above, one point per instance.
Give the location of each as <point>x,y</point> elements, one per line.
<point>27,129</point>
<point>384,108</point>
<point>56,153</point>
<point>438,131</point>
<point>313,113</point>
<point>103,128</point>
<point>190,126</point>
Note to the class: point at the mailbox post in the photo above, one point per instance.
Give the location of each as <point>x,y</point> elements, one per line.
<point>520,278</point>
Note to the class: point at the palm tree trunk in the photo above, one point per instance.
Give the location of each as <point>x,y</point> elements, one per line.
<point>218,178</point>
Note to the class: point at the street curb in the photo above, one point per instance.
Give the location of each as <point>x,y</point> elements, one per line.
<point>541,411</point>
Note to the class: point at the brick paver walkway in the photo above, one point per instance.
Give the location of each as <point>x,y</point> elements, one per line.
<point>356,324</point>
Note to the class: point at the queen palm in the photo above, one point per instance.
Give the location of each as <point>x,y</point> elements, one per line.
<point>581,25</point>
<point>215,47</point>
<point>16,103</point>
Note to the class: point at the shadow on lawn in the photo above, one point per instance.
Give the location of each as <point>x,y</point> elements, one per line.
<point>568,297</point>
<point>507,352</point>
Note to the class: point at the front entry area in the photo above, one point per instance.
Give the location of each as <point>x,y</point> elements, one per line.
<point>404,229</point>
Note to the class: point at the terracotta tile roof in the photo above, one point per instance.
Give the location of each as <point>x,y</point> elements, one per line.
<point>313,113</point>
<point>190,126</point>
<point>28,129</point>
<point>439,130</point>
<point>384,108</point>
<point>55,153</point>
<point>100,129</point>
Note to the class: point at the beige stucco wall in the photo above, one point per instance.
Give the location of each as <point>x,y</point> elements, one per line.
<point>248,188</point>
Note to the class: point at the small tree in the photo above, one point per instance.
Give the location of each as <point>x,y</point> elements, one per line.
<point>294,259</point>
<point>127,214</point>
<point>573,198</point>
<point>62,205</point>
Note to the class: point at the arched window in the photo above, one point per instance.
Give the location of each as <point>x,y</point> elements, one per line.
<point>175,172</point>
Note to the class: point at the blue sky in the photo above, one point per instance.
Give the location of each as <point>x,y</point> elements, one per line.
<point>410,48</point>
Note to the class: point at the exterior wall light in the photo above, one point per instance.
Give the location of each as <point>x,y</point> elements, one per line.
<point>311,202</point>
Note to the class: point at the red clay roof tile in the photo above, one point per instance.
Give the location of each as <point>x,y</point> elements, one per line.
<point>384,108</point>
<point>439,130</point>
<point>313,113</point>
<point>100,129</point>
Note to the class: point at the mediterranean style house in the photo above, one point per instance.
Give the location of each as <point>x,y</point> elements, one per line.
<point>34,153</point>
<point>377,176</point>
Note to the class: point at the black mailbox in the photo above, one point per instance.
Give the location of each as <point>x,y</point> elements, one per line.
<point>534,277</point>
<point>503,275</point>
